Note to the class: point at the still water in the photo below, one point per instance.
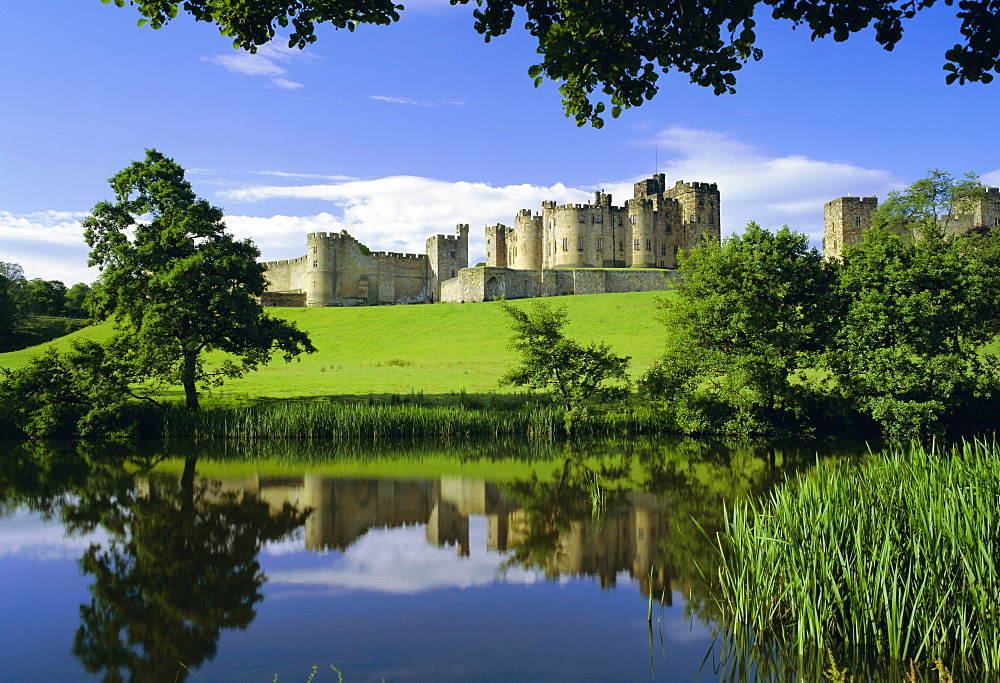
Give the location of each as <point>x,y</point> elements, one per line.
<point>528,561</point>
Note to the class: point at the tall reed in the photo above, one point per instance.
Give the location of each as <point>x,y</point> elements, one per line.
<point>898,558</point>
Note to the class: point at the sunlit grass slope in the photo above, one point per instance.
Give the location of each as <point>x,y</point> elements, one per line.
<point>435,349</point>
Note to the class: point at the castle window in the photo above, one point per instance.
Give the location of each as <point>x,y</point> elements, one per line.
<point>619,220</point>
<point>582,218</point>
<point>675,251</point>
<point>579,244</point>
<point>599,244</point>
<point>694,218</point>
<point>598,219</point>
<point>857,221</point>
<point>663,250</point>
<point>711,219</point>
<point>701,201</point>
<point>565,244</point>
<point>621,246</point>
<point>649,245</point>
<point>315,249</point>
<point>635,245</point>
<point>632,219</point>
<point>315,264</point>
<point>452,254</point>
<point>453,273</point>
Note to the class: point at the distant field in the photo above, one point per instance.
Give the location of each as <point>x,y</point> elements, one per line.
<point>435,349</point>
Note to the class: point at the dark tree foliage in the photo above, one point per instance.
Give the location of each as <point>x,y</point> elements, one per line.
<point>749,317</point>
<point>12,286</point>
<point>178,285</point>
<point>618,50</point>
<point>45,297</point>
<point>912,346</point>
<point>76,301</point>
<point>84,392</point>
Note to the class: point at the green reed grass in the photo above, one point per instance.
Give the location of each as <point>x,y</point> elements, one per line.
<point>341,420</point>
<point>327,420</point>
<point>898,557</point>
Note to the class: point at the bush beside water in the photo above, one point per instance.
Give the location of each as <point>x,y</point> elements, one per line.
<point>898,557</point>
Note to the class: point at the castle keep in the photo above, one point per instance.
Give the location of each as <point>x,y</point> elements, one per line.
<point>845,220</point>
<point>648,232</point>
<point>569,249</point>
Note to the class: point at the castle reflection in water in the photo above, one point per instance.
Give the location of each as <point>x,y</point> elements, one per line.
<point>344,510</point>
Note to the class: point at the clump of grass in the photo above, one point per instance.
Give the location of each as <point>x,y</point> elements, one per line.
<point>898,558</point>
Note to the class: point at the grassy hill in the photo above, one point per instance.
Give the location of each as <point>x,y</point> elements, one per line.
<point>434,349</point>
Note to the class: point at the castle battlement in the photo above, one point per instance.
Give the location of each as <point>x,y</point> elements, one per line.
<point>397,255</point>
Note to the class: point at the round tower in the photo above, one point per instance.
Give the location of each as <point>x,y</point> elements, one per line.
<point>568,235</point>
<point>641,253</point>
<point>527,246</point>
<point>321,269</point>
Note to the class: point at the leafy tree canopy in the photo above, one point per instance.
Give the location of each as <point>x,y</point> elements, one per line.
<point>749,314</point>
<point>911,349</point>
<point>178,285</point>
<point>12,286</point>
<point>618,49</point>
<point>549,360</point>
<point>937,198</point>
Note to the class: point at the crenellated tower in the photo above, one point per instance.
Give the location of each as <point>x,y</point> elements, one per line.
<point>844,221</point>
<point>497,250</point>
<point>446,255</point>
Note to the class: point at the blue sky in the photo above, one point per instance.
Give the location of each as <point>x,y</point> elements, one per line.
<point>398,132</point>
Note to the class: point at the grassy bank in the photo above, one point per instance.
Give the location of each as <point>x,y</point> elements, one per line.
<point>431,349</point>
<point>39,330</point>
<point>898,558</point>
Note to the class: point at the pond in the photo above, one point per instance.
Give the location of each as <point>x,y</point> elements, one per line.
<point>492,560</point>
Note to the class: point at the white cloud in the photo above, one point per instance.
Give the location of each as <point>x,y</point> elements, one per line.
<point>47,244</point>
<point>319,176</point>
<point>991,179</point>
<point>397,213</point>
<point>416,103</point>
<point>402,561</point>
<point>265,62</point>
<point>26,535</point>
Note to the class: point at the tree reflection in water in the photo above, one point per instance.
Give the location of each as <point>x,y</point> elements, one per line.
<point>180,563</point>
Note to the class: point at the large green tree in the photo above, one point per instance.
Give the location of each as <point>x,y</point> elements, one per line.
<point>617,50</point>
<point>11,297</point>
<point>750,315</point>
<point>912,348</point>
<point>178,285</point>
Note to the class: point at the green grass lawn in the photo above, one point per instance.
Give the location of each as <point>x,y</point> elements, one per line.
<point>435,349</point>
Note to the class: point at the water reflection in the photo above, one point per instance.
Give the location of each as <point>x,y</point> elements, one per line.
<point>179,563</point>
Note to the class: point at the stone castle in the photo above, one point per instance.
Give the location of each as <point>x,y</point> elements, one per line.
<point>569,249</point>
<point>845,220</point>
<point>337,270</point>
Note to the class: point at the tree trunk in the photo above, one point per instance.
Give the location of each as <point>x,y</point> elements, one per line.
<point>188,380</point>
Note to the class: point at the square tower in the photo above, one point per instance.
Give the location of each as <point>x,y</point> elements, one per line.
<point>844,221</point>
<point>446,255</point>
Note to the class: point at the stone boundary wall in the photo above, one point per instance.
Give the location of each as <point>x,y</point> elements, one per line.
<point>488,284</point>
<point>283,299</point>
